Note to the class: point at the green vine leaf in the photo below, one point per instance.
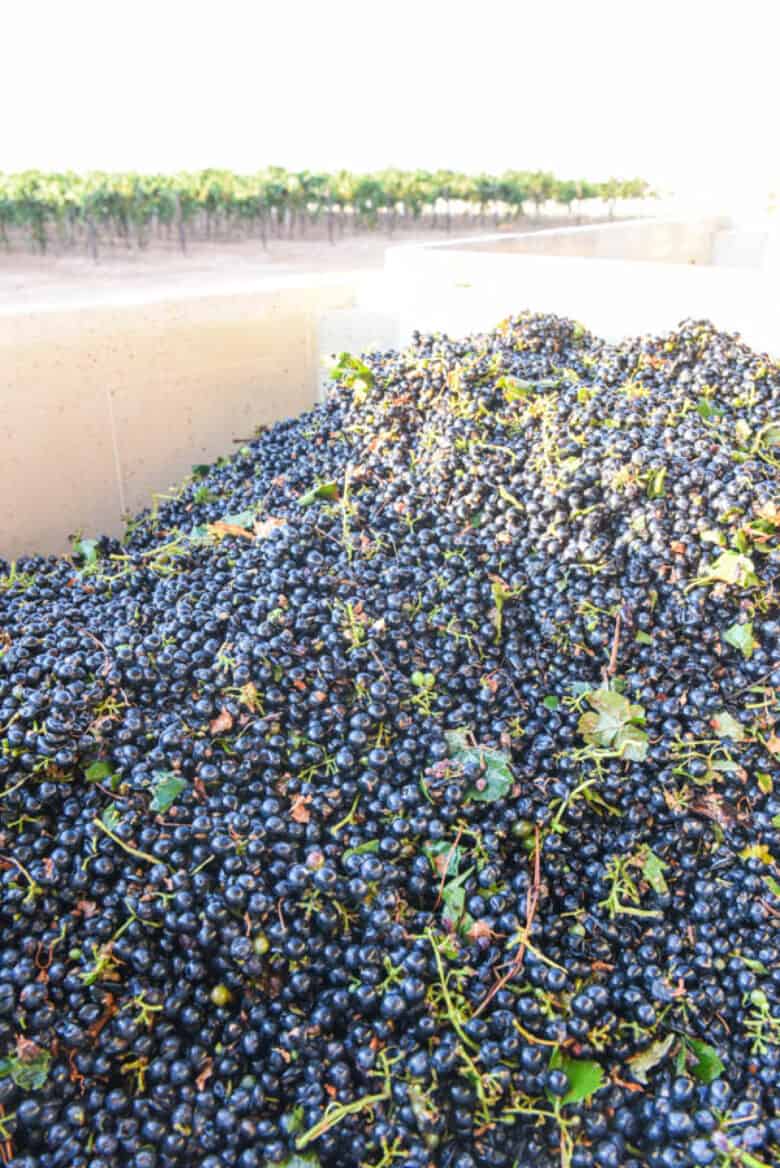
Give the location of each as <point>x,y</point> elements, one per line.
<point>741,637</point>
<point>243,519</point>
<point>28,1068</point>
<point>496,778</point>
<point>518,389</point>
<point>309,1160</point>
<point>731,567</point>
<point>584,1077</point>
<point>500,594</point>
<point>708,1065</point>
<point>352,371</point>
<point>362,849</point>
<point>111,817</point>
<point>87,549</point>
<point>166,791</point>
<point>615,725</point>
<point>321,491</point>
<point>647,1060</point>
<point>727,727</point>
<point>97,771</point>
<point>653,869</point>
<point>655,483</point>
<point>707,409</point>
<point>445,860</point>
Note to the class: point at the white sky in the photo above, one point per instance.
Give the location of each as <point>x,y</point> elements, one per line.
<point>685,93</point>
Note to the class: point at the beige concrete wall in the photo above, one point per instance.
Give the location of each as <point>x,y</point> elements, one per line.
<point>104,403</point>
<point>661,241</point>
<point>456,290</point>
<point>101,405</point>
<point>748,247</point>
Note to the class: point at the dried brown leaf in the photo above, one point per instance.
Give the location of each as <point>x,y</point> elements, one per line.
<point>222,722</point>
<point>205,1074</point>
<point>264,527</point>
<point>299,810</point>
<point>220,528</point>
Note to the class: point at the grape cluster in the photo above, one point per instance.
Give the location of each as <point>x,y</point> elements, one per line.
<point>403,793</point>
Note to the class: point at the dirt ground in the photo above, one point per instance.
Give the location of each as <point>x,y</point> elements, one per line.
<point>27,279</point>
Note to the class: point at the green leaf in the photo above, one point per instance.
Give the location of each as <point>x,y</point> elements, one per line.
<point>731,567</point>
<point>362,849</point>
<point>442,848</point>
<point>29,1073</point>
<point>87,549</point>
<point>166,791</point>
<point>453,899</point>
<point>631,744</point>
<point>741,637</point>
<point>742,432</point>
<point>584,1076</point>
<point>757,852</point>
<point>453,896</point>
<point>614,725</point>
<point>641,1064</point>
<point>293,1121</point>
<point>653,872</point>
<point>97,771</point>
<point>515,388</point>
<point>708,1066</point>
<point>765,784</point>
<point>769,435</point>
<point>727,727</point>
<point>496,779</point>
<point>751,963</point>
<point>742,543</point>
<point>308,1160</point>
<point>679,1060</point>
<point>501,594</point>
<point>321,491</point>
<point>111,817</point>
<point>350,370</point>
<point>244,519</point>
<point>643,638</point>
<point>772,885</point>
<point>200,470</point>
<point>551,702</point>
<point>655,483</point>
<point>706,408</point>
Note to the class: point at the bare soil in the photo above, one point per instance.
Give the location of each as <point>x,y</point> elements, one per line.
<point>27,279</point>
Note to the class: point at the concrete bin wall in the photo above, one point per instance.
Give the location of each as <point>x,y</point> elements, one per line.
<point>103,404</point>
<point>463,286</point>
<point>460,292</point>
<point>658,240</point>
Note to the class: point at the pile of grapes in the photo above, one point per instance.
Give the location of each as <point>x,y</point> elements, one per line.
<point>404,793</point>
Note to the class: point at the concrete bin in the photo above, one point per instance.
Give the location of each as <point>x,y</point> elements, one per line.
<point>107,401</point>
<point>462,286</point>
<point>102,404</point>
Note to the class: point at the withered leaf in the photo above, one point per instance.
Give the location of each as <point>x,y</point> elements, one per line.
<point>299,810</point>
<point>222,722</point>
